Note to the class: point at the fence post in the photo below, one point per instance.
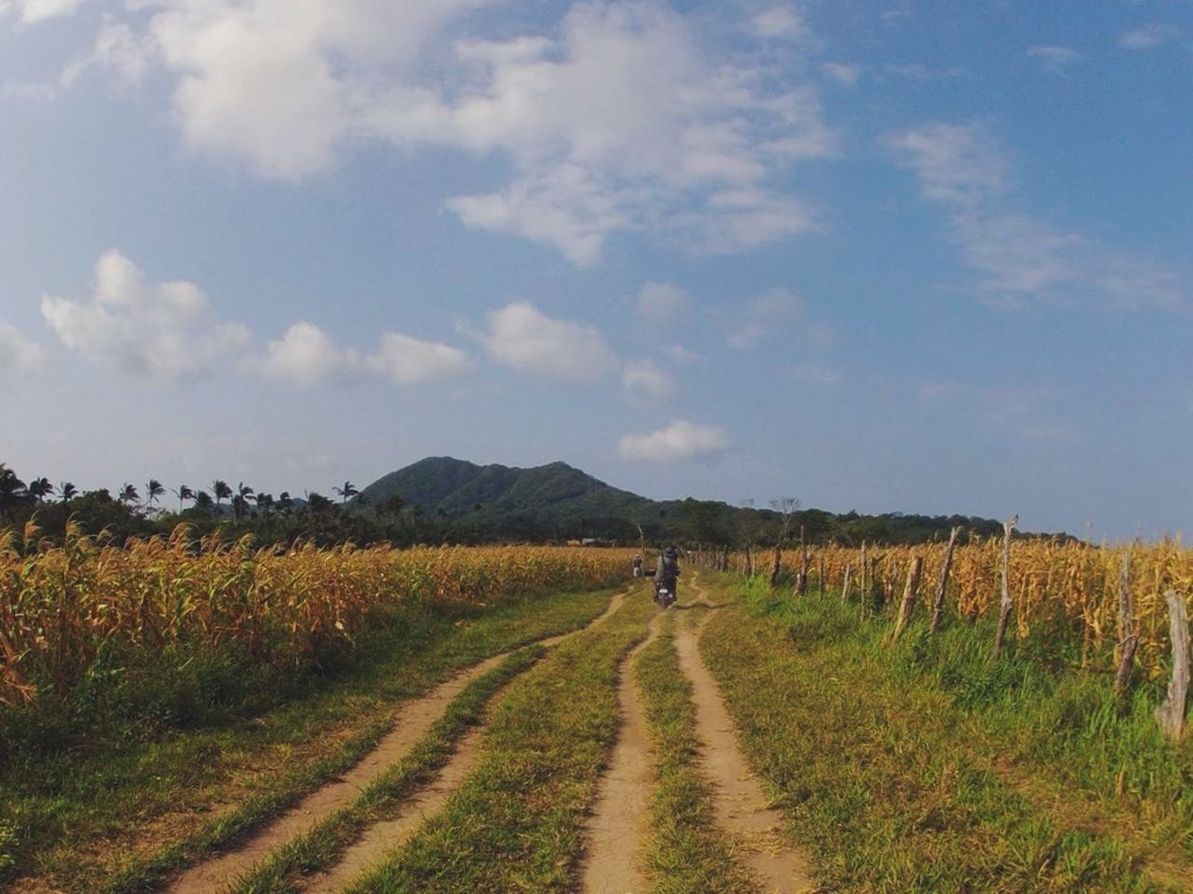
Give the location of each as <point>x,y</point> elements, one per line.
<point>938,608</point>
<point>1171,714</point>
<point>803,575</point>
<point>845,584</point>
<point>909,594</point>
<point>774,570</point>
<point>1005,604</point>
<point>1128,639</point>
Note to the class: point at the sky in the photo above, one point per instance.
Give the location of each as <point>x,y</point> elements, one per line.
<point>923,256</point>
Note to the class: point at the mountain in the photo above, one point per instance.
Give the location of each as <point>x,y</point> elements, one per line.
<point>468,502</point>
<point>545,497</point>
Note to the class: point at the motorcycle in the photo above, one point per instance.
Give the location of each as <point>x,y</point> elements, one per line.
<point>664,593</point>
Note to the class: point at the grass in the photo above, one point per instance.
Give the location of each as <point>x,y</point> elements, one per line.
<point>518,822</point>
<point>71,818</point>
<point>322,846</point>
<point>926,766</point>
<point>685,851</point>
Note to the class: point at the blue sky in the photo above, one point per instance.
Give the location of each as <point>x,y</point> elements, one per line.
<point>886,256</point>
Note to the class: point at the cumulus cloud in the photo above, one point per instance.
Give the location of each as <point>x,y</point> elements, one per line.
<point>768,313</point>
<point>619,120</point>
<point>167,331</point>
<point>661,302</point>
<point>19,356</point>
<point>408,361</point>
<point>680,440</point>
<point>306,355</point>
<point>161,331</point>
<point>524,339</point>
<point>1019,256</point>
<point>644,379</point>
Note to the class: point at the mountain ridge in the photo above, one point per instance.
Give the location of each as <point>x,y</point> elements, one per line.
<point>558,501</point>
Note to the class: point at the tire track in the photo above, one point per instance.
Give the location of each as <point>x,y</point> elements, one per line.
<point>413,723</point>
<point>742,806</point>
<point>616,827</point>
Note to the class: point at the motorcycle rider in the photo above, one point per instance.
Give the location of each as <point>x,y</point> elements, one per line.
<point>667,574</point>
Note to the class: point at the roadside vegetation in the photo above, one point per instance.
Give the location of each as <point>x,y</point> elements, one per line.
<point>117,809</point>
<point>925,765</point>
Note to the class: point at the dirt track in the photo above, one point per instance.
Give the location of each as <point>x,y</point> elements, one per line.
<point>414,721</point>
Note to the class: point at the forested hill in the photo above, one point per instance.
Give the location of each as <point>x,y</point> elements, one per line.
<point>557,501</point>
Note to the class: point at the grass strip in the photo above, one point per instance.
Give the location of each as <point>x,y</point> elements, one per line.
<point>320,848</point>
<point>430,652</point>
<point>877,775</point>
<point>686,853</point>
<point>518,823</point>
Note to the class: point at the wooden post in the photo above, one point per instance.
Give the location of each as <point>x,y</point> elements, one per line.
<point>865,569</point>
<point>938,608</point>
<point>1171,714</point>
<point>803,575</point>
<point>1128,639</point>
<point>845,585</point>
<point>774,570</point>
<point>1004,603</point>
<point>909,595</point>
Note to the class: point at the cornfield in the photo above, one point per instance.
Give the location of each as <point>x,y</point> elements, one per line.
<point>69,613</point>
<point>1072,587</point>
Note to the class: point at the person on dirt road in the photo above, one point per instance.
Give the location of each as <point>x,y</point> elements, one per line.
<point>638,565</point>
<point>667,574</point>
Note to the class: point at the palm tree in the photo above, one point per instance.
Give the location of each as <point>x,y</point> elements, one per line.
<point>12,491</point>
<point>183,493</point>
<point>67,491</point>
<point>203,501</point>
<point>347,491</point>
<point>153,490</point>
<point>128,495</point>
<point>285,503</point>
<point>39,489</point>
<point>240,502</point>
<point>221,491</point>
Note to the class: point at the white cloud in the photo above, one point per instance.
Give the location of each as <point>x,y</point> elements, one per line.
<point>661,302</point>
<point>680,354</point>
<point>407,361</point>
<point>766,314</point>
<point>955,163</point>
<point>305,355</point>
<point>842,73</point>
<point>19,356</point>
<point>33,11</point>
<point>526,340</point>
<point>1019,256</point>
<point>621,120</point>
<point>780,22</point>
<point>644,379</point>
<point>1055,59</point>
<point>118,50</point>
<point>163,331</point>
<point>678,441</point>
<point>1148,36</point>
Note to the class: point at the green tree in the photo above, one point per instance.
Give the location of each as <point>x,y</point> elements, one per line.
<point>153,491</point>
<point>67,491</point>
<point>13,494</point>
<point>128,495</point>
<point>39,489</point>
<point>183,493</point>
<point>221,492</point>
<point>346,492</point>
